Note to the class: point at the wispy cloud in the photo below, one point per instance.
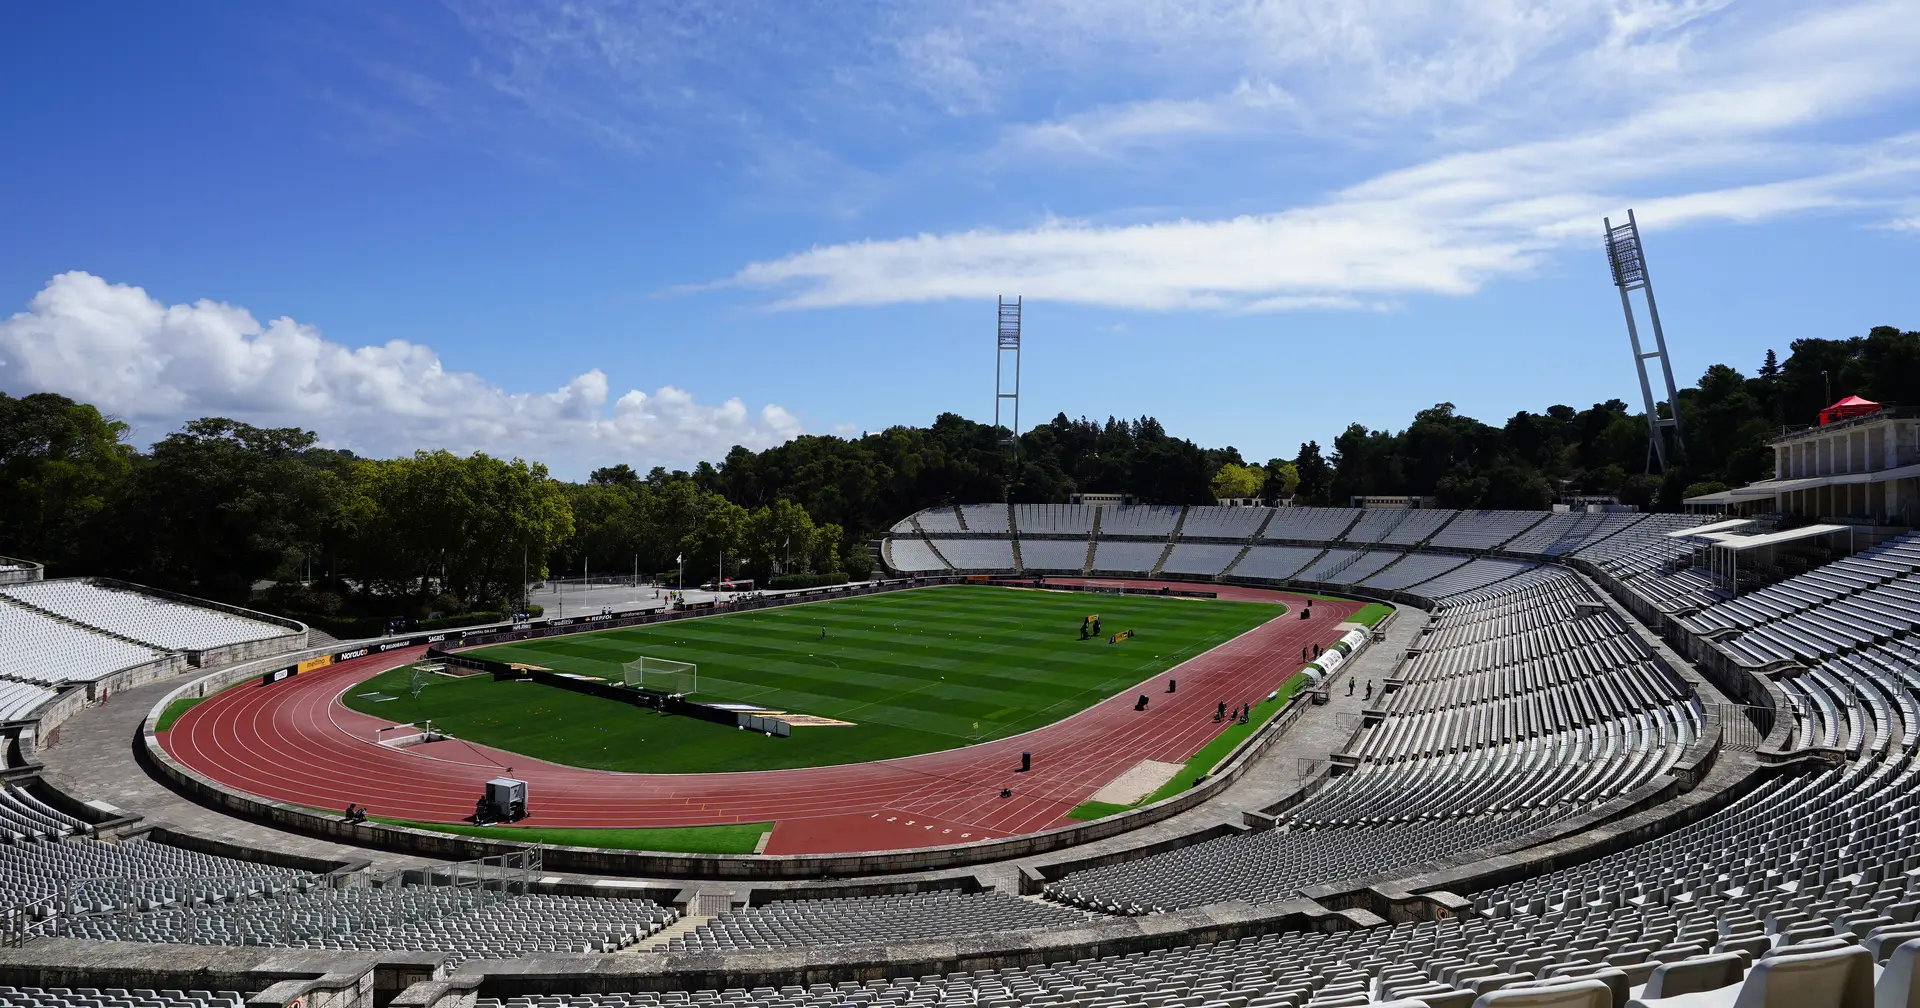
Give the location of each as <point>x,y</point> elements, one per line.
<point>1734,138</point>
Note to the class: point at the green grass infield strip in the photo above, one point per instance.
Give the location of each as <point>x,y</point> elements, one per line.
<point>734,838</point>
<point>1371,613</point>
<point>1209,757</point>
<point>729,838</point>
<point>912,672</point>
<point>175,710</point>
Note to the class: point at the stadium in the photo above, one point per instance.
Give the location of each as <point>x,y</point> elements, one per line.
<point>320,689</point>
<point>1085,754</point>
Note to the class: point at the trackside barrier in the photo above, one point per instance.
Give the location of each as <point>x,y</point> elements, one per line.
<point>1096,589</point>
<point>665,703</point>
<point>1336,656</point>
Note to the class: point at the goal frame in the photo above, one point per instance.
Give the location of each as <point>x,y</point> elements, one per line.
<point>662,675</point>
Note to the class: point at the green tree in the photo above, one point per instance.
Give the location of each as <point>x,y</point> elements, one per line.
<point>1316,474</point>
<point>220,505</point>
<point>459,527</point>
<point>1236,480</point>
<point>61,465</point>
<point>1281,480</point>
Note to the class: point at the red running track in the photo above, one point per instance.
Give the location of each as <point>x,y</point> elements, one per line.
<point>295,742</point>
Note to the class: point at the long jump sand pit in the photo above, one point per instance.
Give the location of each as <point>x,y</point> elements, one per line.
<point>1137,782</point>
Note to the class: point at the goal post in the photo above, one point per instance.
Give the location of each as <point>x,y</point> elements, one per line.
<point>662,675</point>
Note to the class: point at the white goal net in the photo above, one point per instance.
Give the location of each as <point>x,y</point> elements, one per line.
<point>663,675</point>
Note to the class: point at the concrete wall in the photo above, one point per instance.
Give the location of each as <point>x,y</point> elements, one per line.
<point>165,834</point>
<point>48,718</point>
<point>274,978</point>
<point>583,974</point>
<point>26,571</point>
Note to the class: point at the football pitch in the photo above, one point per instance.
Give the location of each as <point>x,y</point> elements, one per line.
<point>910,672</point>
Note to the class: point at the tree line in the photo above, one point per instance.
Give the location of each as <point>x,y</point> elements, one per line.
<point>220,507</point>
<point>1533,458</point>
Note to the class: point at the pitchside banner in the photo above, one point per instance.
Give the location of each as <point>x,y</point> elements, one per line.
<point>322,661</point>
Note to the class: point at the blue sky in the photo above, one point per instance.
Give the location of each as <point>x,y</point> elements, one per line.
<point>483,225</point>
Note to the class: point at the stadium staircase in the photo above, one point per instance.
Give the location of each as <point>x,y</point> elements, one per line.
<point>1093,541</point>
<point>1359,513</point>
<point>1428,538</point>
<point>1502,544</point>
<point>1350,561</point>
<point>1530,527</point>
<point>317,637</point>
<point>1416,548</point>
<point>1385,532</point>
<point>665,935</point>
<point>943,557</point>
<point>1172,537</point>
<point>961,517</point>
<point>1616,533</point>
<point>1248,545</point>
<point>1013,538</point>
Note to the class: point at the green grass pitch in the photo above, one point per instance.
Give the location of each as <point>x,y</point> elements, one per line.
<point>915,671</point>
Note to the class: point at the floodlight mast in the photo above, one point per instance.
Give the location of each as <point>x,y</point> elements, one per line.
<point>1008,347</point>
<point>1627,258</point>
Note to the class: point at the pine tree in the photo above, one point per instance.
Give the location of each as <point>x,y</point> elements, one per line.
<point>1771,366</point>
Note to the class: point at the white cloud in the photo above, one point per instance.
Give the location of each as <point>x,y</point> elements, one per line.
<point>1728,143</point>
<point>1112,130</point>
<point>156,365</point>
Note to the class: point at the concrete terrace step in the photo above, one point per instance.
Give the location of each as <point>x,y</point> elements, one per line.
<point>660,938</point>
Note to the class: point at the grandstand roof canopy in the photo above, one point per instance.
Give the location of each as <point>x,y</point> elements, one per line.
<point>1728,540</point>
<point>1701,530</point>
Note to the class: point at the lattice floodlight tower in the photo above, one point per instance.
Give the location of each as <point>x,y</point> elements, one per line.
<point>1628,260</point>
<point>1007,353</point>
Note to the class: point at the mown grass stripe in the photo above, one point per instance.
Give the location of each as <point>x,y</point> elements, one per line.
<point>916,671</point>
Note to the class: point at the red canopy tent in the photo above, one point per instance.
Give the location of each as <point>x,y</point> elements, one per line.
<point>1851,406</point>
